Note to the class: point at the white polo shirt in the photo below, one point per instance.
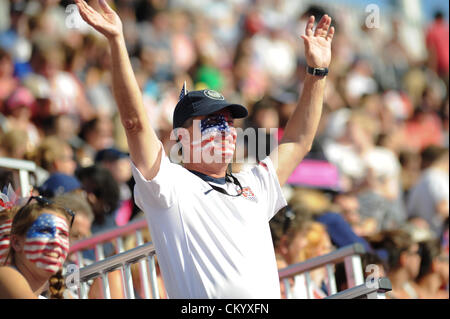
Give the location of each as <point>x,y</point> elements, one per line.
<point>210,245</point>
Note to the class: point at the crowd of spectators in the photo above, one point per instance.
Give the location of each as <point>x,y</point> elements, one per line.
<point>384,124</point>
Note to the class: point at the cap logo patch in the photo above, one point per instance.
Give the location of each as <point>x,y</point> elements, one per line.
<point>213,95</point>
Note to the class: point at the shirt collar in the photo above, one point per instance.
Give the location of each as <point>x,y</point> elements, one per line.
<point>209,179</point>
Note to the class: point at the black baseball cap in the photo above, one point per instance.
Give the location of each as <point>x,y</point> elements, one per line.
<point>204,102</point>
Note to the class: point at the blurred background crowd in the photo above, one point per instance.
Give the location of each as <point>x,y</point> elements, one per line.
<point>384,127</point>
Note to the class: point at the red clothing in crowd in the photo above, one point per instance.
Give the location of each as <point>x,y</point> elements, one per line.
<point>437,42</point>
<point>423,131</point>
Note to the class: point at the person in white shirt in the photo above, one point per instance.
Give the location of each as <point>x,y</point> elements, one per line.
<point>210,228</point>
<point>429,198</point>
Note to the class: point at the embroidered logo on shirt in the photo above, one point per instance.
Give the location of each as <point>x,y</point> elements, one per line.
<point>248,194</point>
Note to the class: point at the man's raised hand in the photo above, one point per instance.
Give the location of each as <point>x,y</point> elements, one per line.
<point>107,22</point>
<point>318,42</point>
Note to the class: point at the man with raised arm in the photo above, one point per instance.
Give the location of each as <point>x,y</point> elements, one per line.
<point>211,228</point>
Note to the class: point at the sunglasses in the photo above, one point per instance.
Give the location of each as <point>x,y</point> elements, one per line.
<point>44,201</point>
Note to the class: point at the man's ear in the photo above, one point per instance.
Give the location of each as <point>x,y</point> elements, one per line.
<point>16,243</point>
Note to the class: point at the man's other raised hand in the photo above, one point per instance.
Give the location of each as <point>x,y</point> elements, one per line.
<point>106,22</point>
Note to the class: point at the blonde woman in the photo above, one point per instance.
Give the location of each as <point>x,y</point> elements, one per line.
<point>304,240</point>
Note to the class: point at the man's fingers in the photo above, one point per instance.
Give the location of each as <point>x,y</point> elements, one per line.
<point>305,38</point>
<point>309,26</point>
<point>326,26</point>
<point>322,27</point>
<point>87,13</point>
<point>330,34</point>
<point>90,10</point>
<point>319,27</point>
<point>105,6</point>
<point>81,5</point>
<point>82,9</point>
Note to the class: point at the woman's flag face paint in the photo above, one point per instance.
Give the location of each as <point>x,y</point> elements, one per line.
<point>218,136</point>
<point>5,231</point>
<point>47,242</point>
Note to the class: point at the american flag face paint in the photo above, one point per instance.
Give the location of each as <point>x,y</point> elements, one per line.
<point>5,231</point>
<point>47,242</point>
<point>217,135</point>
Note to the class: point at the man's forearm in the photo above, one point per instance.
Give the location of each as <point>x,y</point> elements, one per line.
<point>142,140</point>
<point>125,88</point>
<point>145,148</point>
<point>302,126</point>
<point>300,129</point>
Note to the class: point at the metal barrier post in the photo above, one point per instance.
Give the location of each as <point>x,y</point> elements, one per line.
<point>99,255</point>
<point>120,249</point>
<point>143,274</point>
<point>129,282</point>
<point>308,285</point>
<point>105,286</point>
<point>119,244</point>
<point>24,183</point>
<point>124,282</point>
<point>287,288</point>
<point>331,280</point>
<point>83,290</point>
<point>353,271</point>
<point>154,279</point>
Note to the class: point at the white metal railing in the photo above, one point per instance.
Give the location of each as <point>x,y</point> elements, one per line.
<point>350,255</point>
<point>115,236</point>
<point>375,290</point>
<point>24,168</point>
<point>144,254</point>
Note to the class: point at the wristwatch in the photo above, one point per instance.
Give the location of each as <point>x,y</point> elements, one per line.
<point>317,71</point>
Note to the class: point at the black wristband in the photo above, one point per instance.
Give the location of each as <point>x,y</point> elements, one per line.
<point>317,71</point>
